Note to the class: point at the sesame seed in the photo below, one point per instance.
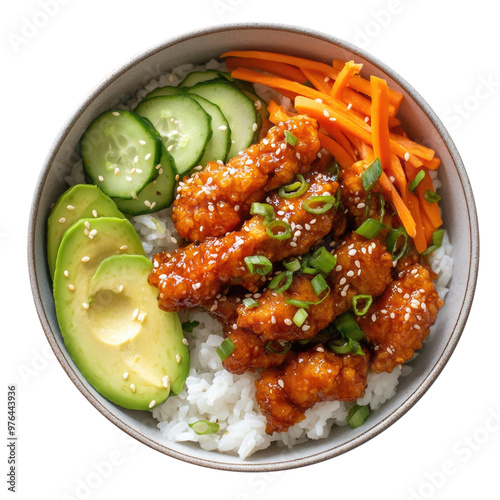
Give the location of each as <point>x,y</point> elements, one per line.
<point>288,321</point>
<point>71,287</point>
<point>115,113</point>
<point>185,341</point>
<point>117,171</point>
<point>148,156</point>
<point>92,233</point>
<point>129,179</point>
<point>273,320</point>
<point>141,317</point>
<point>132,387</point>
<point>125,375</point>
<point>165,381</point>
<point>66,273</point>
<point>101,178</point>
<point>86,258</point>
<point>281,383</point>
<point>123,247</point>
<point>135,313</point>
<point>94,213</point>
<point>120,288</point>
<point>62,220</point>
<point>178,358</point>
<point>326,114</point>
<point>142,142</point>
<point>407,156</point>
<point>85,305</point>
<point>254,127</point>
<point>136,159</point>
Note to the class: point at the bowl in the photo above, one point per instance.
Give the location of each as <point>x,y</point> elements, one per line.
<point>421,124</point>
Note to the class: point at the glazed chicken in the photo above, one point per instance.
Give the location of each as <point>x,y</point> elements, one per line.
<point>284,394</point>
<point>218,199</point>
<point>398,322</point>
<point>193,275</point>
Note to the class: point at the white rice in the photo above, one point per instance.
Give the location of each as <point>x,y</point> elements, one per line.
<point>211,393</point>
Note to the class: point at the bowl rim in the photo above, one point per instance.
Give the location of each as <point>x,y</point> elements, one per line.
<point>380,425</point>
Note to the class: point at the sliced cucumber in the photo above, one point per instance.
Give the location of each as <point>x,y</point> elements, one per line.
<point>199,76</point>
<point>238,109</point>
<point>156,195</point>
<point>260,108</point>
<point>218,145</point>
<point>120,151</point>
<point>167,90</point>
<point>183,124</point>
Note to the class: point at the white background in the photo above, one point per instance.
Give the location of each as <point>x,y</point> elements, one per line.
<point>447,446</point>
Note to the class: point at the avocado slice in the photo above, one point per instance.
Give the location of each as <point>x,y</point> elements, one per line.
<point>128,349</point>
<point>78,202</point>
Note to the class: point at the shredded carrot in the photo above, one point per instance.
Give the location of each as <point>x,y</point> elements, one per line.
<point>343,157</point>
<point>348,71</point>
<point>317,80</point>
<point>380,122</point>
<point>276,68</point>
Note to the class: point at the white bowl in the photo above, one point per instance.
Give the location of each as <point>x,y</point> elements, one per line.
<point>421,124</point>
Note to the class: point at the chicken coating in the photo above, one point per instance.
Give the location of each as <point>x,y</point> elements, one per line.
<point>193,275</point>
<point>217,199</point>
<point>284,394</point>
<point>398,322</point>
<point>250,353</point>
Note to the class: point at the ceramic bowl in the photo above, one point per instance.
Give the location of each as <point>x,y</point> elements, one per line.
<point>421,124</point>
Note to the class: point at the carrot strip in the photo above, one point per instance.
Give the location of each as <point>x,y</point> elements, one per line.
<point>432,164</point>
<point>276,68</point>
<point>344,159</point>
<point>348,71</point>
<point>277,113</point>
<point>413,147</point>
<point>380,122</point>
<point>317,80</point>
<point>420,238</point>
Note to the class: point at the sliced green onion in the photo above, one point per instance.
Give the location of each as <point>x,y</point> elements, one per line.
<point>278,346</point>
<point>249,303</point>
<point>319,284</point>
<point>225,349</point>
<point>382,205</point>
<point>397,243</point>
<point>290,138</point>
<point>298,303</point>
<point>356,347</point>
<point>431,196</point>
<point>299,317</point>
<point>292,265</point>
<point>416,180</point>
<point>323,260</point>
<point>339,346</point>
<point>258,264</point>
<point>263,209</point>
<point>204,427</point>
<point>371,175</point>
<point>437,240</point>
<point>273,285</point>
<point>189,326</point>
<point>370,228</point>
<point>284,234</point>
<point>334,168</point>
<point>348,327</point>
<point>310,270</point>
<point>366,299</point>
<point>294,189</point>
<point>357,415</point>
<point>326,202</point>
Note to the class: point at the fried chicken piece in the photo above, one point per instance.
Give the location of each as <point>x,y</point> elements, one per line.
<point>250,353</point>
<point>193,275</point>
<point>398,322</point>
<point>311,376</point>
<point>355,199</point>
<point>363,268</point>
<point>218,199</point>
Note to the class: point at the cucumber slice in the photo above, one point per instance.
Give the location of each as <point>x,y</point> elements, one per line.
<point>218,145</point>
<point>199,76</point>
<point>237,108</point>
<point>183,124</point>
<point>261,111</point>
<point>156,195</point>
<point>167,90</point>
<point>120,151</point>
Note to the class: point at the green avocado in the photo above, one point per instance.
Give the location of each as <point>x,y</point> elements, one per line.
<point>78,202</point>
<point>128,349</point>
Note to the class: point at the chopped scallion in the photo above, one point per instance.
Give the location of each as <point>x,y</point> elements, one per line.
<point>348,327</point>
<point>284,230</point>
<point>258,264</point>
<point>274,284</point>
<point>278,346</point>
<point>298,303</point>
<point>189,326</point>
<point>203,427</point>
<point>361,299</point>
<point>323,260</point>
<point>437,240</point>
<point>370,228</point>
<point>290,138</point>
<point>357,415</point>
<point>248,302</point>
<point>397,243</point>
<point>431,196</point>
<point>225,349</point>
<point>263,209</point>
<point>371,175</point>
<point>416,180</point>
<point>339,346</point>
<point>300,317</point>
<point>319,284</point>
<point>292,265</point>
<point>324,202</point>
<point>294,189</point>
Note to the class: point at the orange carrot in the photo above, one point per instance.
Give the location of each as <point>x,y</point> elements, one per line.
<point>317,80</point>
<point>348,71</point>
<point>380,122</point>
<point>277,113</point>
<point>276,68</point>
<point>343,157</point>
